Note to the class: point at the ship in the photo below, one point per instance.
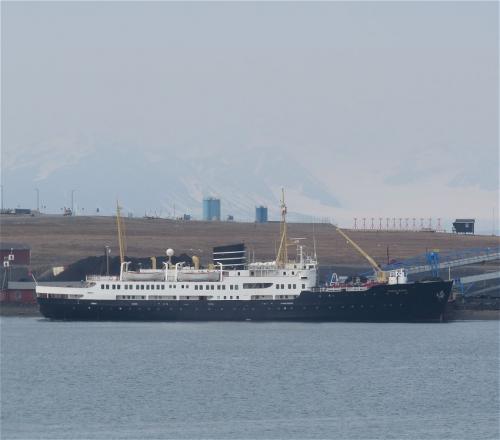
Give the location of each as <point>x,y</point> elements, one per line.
<point>232,289</point>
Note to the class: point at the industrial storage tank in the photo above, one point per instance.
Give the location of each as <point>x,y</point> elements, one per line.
<point>211,209</point>
<point>261,214</point>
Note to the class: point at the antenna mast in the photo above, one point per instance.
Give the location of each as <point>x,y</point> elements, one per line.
<point>282,256</point>
<point>314,243</point>
<point>121,233</point>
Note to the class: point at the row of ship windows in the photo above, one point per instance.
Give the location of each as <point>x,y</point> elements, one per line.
<point>156,297</point>
<point>197,287</point>
<point>171,286</point>
<point>290,286</point>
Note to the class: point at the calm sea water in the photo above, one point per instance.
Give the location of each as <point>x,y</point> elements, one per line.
<point>249,380</point>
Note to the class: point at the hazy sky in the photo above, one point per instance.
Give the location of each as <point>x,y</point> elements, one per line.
<point>391,108</point>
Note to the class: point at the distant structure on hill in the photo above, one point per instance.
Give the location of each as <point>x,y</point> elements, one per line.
<point>261,214</point>
<point>464,225</point>
<point>211,209</point>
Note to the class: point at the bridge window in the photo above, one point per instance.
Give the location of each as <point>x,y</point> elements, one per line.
<point>113,286</point>
<point>257,285</point>
<point>102,286</point>
<point>107,286</point>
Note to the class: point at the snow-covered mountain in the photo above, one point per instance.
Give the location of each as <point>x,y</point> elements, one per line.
<point>157,181</point>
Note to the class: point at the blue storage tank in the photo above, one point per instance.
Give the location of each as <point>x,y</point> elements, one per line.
<point>211,209</point>
<point>261,214</point>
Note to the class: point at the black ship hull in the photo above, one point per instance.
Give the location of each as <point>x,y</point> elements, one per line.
<point>412,302</point>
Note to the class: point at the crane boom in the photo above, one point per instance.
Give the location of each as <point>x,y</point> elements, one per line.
<point>381,276</point>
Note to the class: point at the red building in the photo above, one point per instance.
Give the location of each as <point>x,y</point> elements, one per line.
<point>16,284</point>
<point>16,254</point>
<point>18,292</point>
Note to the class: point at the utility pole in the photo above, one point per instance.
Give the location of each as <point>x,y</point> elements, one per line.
<point>72,202</point>
<point>37,199</point>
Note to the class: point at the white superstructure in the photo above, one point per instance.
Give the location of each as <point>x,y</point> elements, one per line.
<point>257,281</point>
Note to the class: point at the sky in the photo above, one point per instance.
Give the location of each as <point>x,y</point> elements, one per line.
<point>361,109</point>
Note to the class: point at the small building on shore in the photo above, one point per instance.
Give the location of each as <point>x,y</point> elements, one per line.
<point>464,226</point>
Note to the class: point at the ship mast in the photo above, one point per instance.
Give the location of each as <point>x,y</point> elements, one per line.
<point>282,256</point>
<point>121,233</point>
